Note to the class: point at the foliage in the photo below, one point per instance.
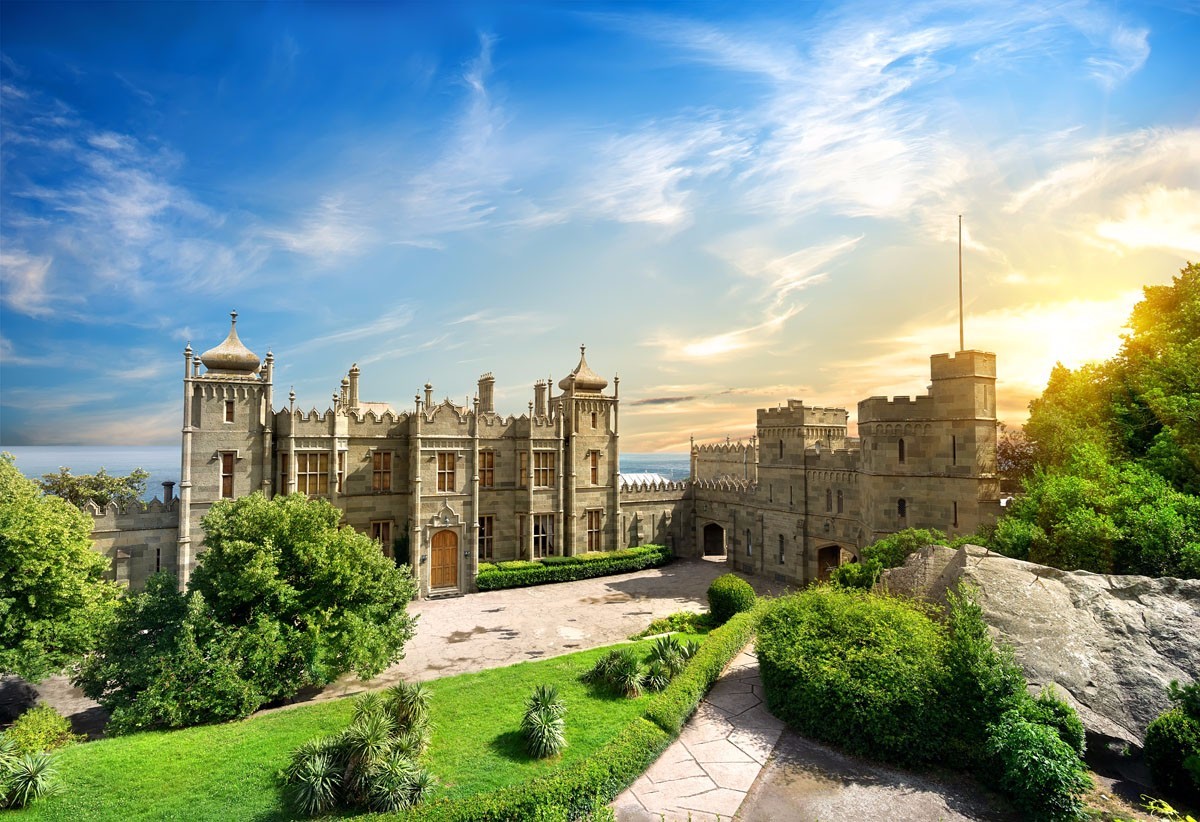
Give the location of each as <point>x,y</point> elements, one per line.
<point>53,595</point>
<point>889,552</point>
<point>100,488</point>
<point>1047,709</point>
<point>1014,455</point>
<point>1173,744</point>
<point>671,707</point>
<point>1093,514</point>
<point>542,725</point>
<point>729,594</point>
<point>857,669</point>
<point>24,777</point>
<point>681,621</point>
<point>41,729</point>
<point>1042,774</point>
<point>371,764</point>
<point>520,573</point>
<point>281,600</point>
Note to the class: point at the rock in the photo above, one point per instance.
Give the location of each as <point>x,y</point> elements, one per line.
<point>1110,644</point>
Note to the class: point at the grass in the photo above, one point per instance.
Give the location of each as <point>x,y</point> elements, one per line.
<point>228,771</point>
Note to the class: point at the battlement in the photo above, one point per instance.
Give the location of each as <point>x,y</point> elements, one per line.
<point>823,459</point>
<point>882,409</point>
<point>642,488</point>
<point>723,448</point>
<point>962,364</point>
<point>136,516</point>
<point>727,484</point>
<point>796,413</point>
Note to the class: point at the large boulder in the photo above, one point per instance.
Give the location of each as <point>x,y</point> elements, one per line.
<point>1110,643</point>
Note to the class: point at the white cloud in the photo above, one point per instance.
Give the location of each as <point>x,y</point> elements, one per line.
<point>330,231</point>
<point>716,347</point>
<point>1157,217</point>
<point>23,277</point>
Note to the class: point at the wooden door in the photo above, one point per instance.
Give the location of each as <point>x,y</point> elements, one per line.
<point>443,571</point>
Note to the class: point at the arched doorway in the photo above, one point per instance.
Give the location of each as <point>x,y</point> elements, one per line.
<point>714,540</point>
<point>443,563</point>
<point>828,558</point>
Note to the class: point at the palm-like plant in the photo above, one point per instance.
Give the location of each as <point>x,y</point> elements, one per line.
<point>545,733</point>
<point>658,675</point>
<point>390,783</point>
<point>627,676</point>
<point>315,785</point>
<point>368,703</point>
<point>545,698</point>
<point>668,652</point>
<point>408,702</point>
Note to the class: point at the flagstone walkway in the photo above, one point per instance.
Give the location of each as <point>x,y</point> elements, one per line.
<point>706,773</point>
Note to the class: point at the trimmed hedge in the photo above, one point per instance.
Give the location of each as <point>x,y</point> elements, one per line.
<point>575,789</point>
<point>672,706</point>
<point>566,569</point>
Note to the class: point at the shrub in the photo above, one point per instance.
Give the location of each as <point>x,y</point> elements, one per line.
<point>565,569</point>
<point>728,595</point>
<point>1053,712</point>
<point>686,622</point>
<point>671,708</point>
<point>24,777</point>
<point>1173,739</point>
<point>41,729</point>
<point>668,652</point>
<point>371,764</point>
<point>860,670</point>
<point>1042,774</point>
<point>543,726</point>
<point>862,575</point>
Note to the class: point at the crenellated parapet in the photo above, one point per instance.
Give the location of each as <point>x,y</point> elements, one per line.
<point>896,409</point>
<point>136,516</point>
<point>654,487</point>
<point>731,484</point>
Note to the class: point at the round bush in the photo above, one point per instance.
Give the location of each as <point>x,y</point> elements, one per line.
<point>1170,740</point>
<point>729,595</point>
<point>1040,771</point>
<point>859,670</point>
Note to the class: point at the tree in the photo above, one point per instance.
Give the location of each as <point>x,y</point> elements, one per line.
<point>1014,455</point>
<point>53,595</point>
<point>100,488</point>
<point>282,599</point>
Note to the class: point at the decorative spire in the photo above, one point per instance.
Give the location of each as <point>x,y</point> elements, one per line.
<point>583,378</point>
<point>231,358</point>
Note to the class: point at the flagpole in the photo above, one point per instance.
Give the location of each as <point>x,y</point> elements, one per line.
<point>961,345</point>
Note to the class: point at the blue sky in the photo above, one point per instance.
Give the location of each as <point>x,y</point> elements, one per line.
<point>731,204</point>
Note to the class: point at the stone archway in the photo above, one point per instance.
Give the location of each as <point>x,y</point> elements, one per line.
<point>443,562</point>
<point>828,558</point>
<point>714,540</point>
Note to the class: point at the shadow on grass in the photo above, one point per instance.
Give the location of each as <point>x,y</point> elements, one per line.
<point>511,746</point>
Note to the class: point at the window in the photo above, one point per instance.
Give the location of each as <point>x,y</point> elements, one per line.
<point>839,502</point>
<point>228,410</point>
<point>901,508</point>
<point>543,469</point>
<point>520,535</point>
<point>381,471</point>
<point>487,525</point>
<point>227,458</point>
<point>900,451</point>
<point>543,535</point>
<point>953,450</point>
<point>749,543</point>
<point>593,530</point>
<point>283,472</point>
<point>157,560</point>
<point>487,469</point>
<point>523,470</point>
<point>781,449</point>
<point>381,532</point>
<point>782,549</point>
<point>593,419</point>
<point>312,474</point>
<point>341,472</point>
<point>955,514</point>
<point>828,499</point>
<point>791,496</point>
<point>594,458</point>
<point>445,471</point>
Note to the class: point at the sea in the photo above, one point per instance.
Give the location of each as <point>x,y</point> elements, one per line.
<point>162,461</point>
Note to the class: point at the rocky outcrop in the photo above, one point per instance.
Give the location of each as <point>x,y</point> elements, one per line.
<point>1111,644</point>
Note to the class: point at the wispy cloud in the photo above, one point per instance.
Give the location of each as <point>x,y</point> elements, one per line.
<point>716,347</point>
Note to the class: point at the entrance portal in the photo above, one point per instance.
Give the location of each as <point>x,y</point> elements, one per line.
<point>828,558</point>
<point>443,564</point>
<point>714,540</point>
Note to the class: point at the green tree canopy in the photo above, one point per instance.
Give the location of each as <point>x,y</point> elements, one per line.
<point>53,595</point>
<point>281,599</point>
<point>100,488</point>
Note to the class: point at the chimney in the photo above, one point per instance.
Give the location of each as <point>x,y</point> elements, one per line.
<point>487,385</point>
<point>168,492</point>
<point>344,394</point>
<point>539,398</point>
<point>428,395</point>
<point>354,386</point>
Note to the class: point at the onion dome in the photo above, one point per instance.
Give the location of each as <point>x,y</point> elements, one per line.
<point>231,357</point>
<point>583,378</point>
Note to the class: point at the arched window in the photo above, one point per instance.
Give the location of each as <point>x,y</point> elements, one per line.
<point>828,499</point>
<point>900,451</point>
<point>902,508</point>
<point>839,502</point>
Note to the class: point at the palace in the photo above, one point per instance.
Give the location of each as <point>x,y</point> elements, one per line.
<point>444,486</point>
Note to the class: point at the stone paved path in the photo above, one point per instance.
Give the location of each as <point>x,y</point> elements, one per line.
<point>706,773</point>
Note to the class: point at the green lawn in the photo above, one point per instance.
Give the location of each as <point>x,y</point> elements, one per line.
<point>228,771</point>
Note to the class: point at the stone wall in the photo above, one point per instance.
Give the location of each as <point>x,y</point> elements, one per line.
<point>138,540</point>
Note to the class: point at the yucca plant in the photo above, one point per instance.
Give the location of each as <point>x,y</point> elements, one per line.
<point>408,702</point>
<point>545,698</point>
<point>545,733</point>
<point>368,703</point>
<point>315,784</point>
<point>25,778</point>
<point>689,649</point>
<point>332,747</point>
<point>389,783</point>
<point>668,652</point>
<point>411,743</point>
<point>627,676</point>
<point>658,675</point>
<point>601,672</point>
